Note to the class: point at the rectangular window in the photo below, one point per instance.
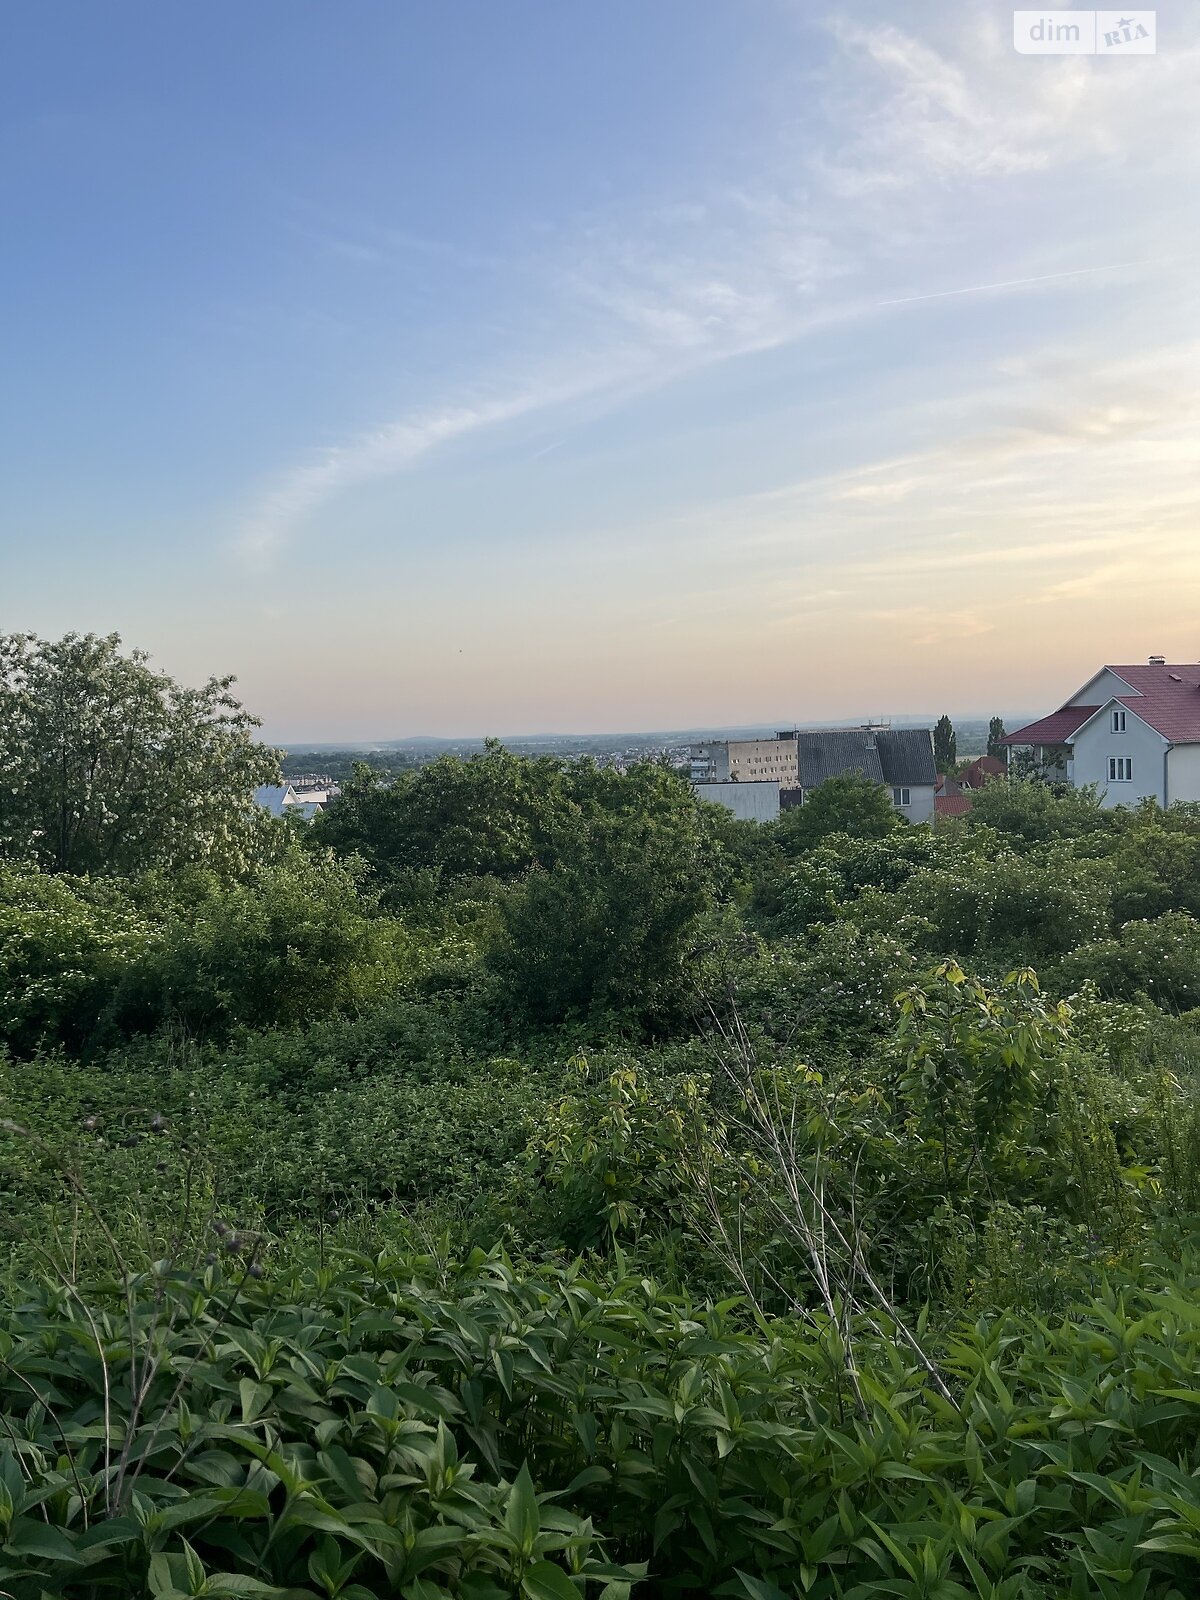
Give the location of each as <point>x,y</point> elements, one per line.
<point>1120,769</point>
<point>1118,722</point>
<point>901,797</point>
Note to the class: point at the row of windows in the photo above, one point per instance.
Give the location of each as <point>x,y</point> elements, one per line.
<point>1120,768</point>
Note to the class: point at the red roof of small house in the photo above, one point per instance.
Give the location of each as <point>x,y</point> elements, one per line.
<point>952,805</point>
<point>1057,728</point>
<point>980,770</point>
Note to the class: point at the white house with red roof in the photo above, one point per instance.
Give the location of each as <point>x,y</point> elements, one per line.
<point>1134,732</point>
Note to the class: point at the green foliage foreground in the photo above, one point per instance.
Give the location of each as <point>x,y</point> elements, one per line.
<point>814,1204</point>
<point>411,1426</point>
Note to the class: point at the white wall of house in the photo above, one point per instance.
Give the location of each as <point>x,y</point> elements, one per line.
<point>1103,687</point>
<point>1183,773</point>
<point>920,807</point>
<point>752,802</point>
<point>1096,743</point>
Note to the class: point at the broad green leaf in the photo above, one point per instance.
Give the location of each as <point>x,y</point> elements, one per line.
<point>545,1581</point>
<point>26,1537</point>
<point>521,1514</point>
<point>759,1588</point>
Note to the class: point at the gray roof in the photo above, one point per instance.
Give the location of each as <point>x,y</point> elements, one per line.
<point>832,753</point>
<point>274,796</point>
<point>891,756</point>
<point>906,755</point>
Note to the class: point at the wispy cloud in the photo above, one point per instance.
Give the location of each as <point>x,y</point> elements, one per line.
<point>378,454</point>
<point>1017,283</point>
<point>693,279</point>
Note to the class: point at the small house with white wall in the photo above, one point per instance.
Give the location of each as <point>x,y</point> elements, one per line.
<point>1132,731</point>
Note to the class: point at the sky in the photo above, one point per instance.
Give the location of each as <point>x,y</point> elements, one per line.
<point>475,368</point>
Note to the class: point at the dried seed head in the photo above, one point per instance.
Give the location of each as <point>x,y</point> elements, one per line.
<point>219,1228</point>
<point>131,1143</point>
<point>158,1123</point>
<point>233,1244</point>
<point>210,1259</point>
<point>255,1270</point>
<point>335,1216</point>
<point>90,1124</point>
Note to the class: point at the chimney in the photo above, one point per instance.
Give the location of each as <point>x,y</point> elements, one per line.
<point>1158,661</point>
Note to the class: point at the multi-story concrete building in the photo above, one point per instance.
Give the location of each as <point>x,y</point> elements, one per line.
<point>747,761</point>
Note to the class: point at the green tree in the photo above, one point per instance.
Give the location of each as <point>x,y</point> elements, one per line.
<point>107,766</point>
<point>451,819</point>
<point>945,744</point>
<point>995,739</point>
<point>849,804</point>
<point>610,925</point>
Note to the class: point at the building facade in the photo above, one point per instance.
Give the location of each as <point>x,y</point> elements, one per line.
<point>746,761</point>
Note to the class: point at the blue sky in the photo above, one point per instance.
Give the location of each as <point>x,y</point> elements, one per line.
<point>471,368</point>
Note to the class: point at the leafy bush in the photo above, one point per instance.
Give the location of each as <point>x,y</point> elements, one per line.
<point>1014,909</point>
<point>86,964</point>
<point>1157,960</point>
<point>294,941</point>
<point>410,1427</point>
<point>1032,812</point>
<point>611,927</point>
<point>826,880</point>
<point>851,804</point>
<point>65,944</point>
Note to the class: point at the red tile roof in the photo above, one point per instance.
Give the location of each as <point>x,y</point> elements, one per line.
<point>1054,729</point>
<point>980,770</point>
<point>1166,697</point>
<point>952,805</point>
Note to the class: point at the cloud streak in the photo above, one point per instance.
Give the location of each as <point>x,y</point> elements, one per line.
<point>1018,283</point>
<point>696,279</point>
<point>378,454</point>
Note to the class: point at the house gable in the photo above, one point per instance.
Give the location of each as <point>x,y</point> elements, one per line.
<point>1105,686</point>
<point>1100,721</point>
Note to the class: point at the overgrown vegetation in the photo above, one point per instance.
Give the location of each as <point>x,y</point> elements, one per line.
<point>530,1181</point>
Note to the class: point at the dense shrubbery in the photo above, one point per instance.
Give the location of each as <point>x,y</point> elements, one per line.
<point>532,1182</point>
<point>85,963</point>
<point>409,1426</point>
